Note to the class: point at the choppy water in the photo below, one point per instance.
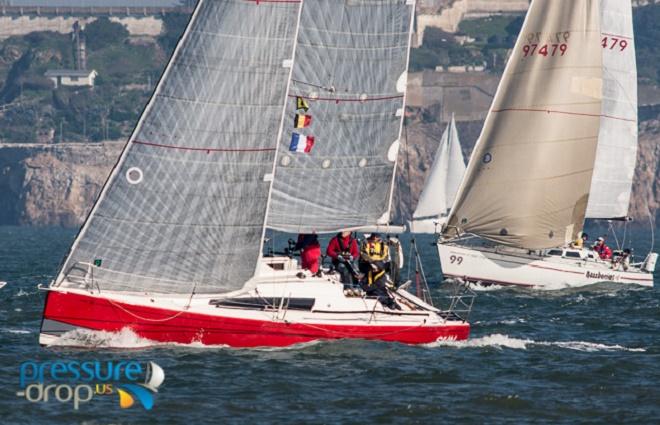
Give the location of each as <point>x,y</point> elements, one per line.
<point>587,356</point>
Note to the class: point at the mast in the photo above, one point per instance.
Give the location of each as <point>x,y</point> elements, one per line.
<point>387,216</point>
<point>279,133</point>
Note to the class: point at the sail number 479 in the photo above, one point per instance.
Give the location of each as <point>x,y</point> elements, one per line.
<point>614,42</point>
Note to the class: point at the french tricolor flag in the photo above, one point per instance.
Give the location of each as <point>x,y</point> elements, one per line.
<point>300,143</point>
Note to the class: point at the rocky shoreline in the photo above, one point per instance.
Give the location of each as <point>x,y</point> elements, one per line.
<point>56,184</point>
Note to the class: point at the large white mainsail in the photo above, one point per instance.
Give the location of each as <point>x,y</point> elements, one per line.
<point>616,157</point>
<point>184,207</point>
<point>351,72</point>
<point>441,184</point>
<point>527,183</point>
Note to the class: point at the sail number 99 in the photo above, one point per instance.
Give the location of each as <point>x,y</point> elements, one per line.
<point>545,50</point>
<point>455,259</point>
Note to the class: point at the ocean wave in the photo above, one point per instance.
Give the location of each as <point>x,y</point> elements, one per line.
<point>22,293</point>
<point>500,341</point>
<point>490,288</point>
<point>501,322</point>
<point>127,338</point>
<point>16,331</point>
<point>86,338</point>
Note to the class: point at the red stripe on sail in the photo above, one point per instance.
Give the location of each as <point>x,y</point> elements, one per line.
<point>336,99</point>
<point>184,148</point>
<point>553,111</point>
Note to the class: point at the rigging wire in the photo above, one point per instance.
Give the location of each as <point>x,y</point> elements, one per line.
<point>611,229</point>
<point>651,221</point>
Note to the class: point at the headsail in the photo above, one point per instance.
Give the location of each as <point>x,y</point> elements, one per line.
<point>617,143</point>
<point>527,183</point>
<point>184,207</point>
<point>349,82</point>
<point>441,184</point>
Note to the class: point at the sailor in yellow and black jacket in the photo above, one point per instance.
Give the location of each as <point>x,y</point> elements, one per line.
<point>375,264</point>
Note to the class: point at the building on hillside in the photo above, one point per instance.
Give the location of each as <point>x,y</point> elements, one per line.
<point>72,77</point>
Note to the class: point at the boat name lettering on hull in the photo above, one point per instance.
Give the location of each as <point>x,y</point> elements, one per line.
<point>601,276</point>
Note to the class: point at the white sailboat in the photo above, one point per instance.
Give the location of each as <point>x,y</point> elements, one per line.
<point>559,144</point>
<point>441,185</point>
<point>173,247</point>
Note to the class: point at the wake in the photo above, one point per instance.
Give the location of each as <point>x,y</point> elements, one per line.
<point>500,341</point>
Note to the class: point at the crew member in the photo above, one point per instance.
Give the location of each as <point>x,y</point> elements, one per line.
<point>375,263</point>
<point>604,251</point>
<point>343,250</point>
<point>623,261</point>
<point>581,241</point>
<point>310,252</point>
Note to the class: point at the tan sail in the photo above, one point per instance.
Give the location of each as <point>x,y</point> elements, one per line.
<point>527,183</point>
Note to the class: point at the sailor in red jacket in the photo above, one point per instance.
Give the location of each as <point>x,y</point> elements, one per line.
<point>604,251</point>
<point>310,252</point>
<point>343,249</point>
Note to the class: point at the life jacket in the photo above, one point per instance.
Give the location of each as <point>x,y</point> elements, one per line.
<point>603,251</point>
<point>344,250</point>
<point>376,251</point>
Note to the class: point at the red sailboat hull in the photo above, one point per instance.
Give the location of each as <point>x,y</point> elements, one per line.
<point>168,326</point>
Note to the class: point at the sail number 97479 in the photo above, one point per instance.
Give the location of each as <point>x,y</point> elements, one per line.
<point>546,44</point>
<point>545,50</point>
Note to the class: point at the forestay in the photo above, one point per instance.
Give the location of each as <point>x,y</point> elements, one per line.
<point>441,184</point>
<point>349,79</point>
<point>527,183</point>
<point>616,157</point>
<point>184,208</point>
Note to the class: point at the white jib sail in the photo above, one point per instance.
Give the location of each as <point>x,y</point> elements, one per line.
<point>441,184</point>
<point>338,154</point>
<point>617,142</point>
<point>527,183</point>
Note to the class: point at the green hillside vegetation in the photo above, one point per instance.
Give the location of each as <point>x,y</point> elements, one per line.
<point>128,69</point>
<point>495,35</point>
<point>31,110</point>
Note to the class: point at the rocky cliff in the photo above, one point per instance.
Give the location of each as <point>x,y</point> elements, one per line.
<point>52,184</point>
<point>423,139</point>
<point>57,184</point>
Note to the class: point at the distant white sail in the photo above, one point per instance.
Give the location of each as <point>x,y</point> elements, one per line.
<point>616,158</point>
<point>442,183</point>
<point>527,183</point>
